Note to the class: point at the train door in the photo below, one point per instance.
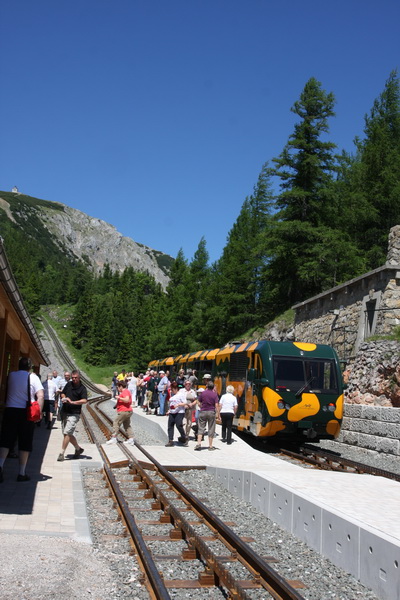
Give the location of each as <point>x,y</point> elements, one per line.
<point>247,390</point>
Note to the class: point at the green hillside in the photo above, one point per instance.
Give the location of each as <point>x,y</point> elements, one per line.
<point>44,268</point>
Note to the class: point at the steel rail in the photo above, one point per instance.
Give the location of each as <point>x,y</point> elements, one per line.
<point>315,456</point>
<point>155,582</point>
<point>262,574</point>
<point>276,585</point>
<point>216,574</point>
<point>68,361</point>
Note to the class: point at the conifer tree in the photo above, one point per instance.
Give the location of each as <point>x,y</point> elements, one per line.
<point>176,323</point>
<point>307,163</point>
<point>238,275</point>
<point>199,273</point>
<point>302,252</point>
<point>379,181</point>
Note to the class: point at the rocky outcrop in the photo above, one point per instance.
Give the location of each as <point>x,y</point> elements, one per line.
<point>91,240</point>
<point>374,375</point>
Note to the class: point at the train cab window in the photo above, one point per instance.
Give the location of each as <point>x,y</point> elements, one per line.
<point>289,374</point>
<point>292,374</point>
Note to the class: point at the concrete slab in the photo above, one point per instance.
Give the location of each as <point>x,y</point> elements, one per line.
<point>53,501</point>
<point>352,519</point>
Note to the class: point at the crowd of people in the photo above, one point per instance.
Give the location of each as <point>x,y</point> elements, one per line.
<point>188,403</point>
<point>61,396</point>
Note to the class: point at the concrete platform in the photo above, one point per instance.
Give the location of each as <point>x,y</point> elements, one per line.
<point>52,502</point>
<point>354,520</point>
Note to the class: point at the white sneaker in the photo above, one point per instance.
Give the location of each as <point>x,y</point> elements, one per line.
<point>131,442</point>
<point>112,440</point>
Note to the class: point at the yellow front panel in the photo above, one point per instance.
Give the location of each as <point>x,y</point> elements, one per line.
<point>308,407</point>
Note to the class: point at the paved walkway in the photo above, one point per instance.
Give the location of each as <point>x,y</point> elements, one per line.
<point>52,502</point>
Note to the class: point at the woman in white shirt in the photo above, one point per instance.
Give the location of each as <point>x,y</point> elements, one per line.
<point>132,387</point>
<point>226,411</point>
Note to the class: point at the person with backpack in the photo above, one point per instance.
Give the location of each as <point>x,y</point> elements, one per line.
<point>23,387</point>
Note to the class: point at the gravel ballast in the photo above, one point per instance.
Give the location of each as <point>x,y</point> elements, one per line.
<point>45,568</point>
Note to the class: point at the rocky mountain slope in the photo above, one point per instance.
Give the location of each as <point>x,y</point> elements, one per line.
<point>89,239</point>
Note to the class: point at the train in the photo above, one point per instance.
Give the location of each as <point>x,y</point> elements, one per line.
<point>290,390</point>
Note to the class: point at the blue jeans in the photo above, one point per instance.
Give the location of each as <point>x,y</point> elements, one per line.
<point>161,400</point>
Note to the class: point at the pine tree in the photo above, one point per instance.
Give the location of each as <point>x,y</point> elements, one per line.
<point>199,275</point>
<point>307,163</point>
<point>379,180</point>
<point>177,320</point>
<point>238,275</point>
<point>299,242</point>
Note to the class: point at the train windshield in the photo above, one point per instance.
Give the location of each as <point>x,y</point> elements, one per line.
<point>299,375</point>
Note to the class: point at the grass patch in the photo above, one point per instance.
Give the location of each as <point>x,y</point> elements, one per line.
<point>394,336</point>
<point>59,318</point>
<point>287,317</point>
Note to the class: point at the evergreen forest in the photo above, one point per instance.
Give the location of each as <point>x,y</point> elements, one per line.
<point>317,216</point>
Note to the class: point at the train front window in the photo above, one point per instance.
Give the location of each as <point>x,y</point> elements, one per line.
<point>304,375</point>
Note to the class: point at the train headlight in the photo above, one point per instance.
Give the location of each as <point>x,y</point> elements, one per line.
<point>287,406</point>
<point>281,404</point>
<point>331,407</point>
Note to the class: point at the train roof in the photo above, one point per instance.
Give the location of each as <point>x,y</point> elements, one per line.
<point>273,348</point>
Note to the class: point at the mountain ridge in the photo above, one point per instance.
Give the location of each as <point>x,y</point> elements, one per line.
<point>86,238</point>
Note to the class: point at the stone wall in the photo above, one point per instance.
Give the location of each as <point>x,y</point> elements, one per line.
<point>372,398</point>
<point>373,377</point>
<point>348,314</point>
<point>371,427</point>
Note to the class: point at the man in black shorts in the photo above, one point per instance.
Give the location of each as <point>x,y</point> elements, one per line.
<point>15,423</point>
<point>73,396</point>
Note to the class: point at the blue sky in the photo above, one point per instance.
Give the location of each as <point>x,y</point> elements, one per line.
<point>157,116</point>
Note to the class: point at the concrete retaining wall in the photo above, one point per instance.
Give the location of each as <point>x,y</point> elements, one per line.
<point>371,427</point>
<point>352,546</point>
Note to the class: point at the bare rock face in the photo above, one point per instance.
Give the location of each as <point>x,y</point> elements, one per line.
<point>101,243</point>
<point>92,240</point>
<point>374,376</point>
<point>393,255</point>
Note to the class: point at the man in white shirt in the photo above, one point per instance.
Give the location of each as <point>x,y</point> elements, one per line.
<point>15,423</point>
<point>50,390</point>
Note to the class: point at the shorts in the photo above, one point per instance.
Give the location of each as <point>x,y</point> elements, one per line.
<point>69,423</point>
<point>49,406</point>
<point>16,426</point>
<point>207,418</point>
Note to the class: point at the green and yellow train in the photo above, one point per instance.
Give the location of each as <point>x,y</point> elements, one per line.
<point>284,389</point>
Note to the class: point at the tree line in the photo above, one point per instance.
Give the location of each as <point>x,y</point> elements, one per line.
<point>315,218</point>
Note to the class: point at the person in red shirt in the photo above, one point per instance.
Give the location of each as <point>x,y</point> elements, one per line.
<point>123,416</point>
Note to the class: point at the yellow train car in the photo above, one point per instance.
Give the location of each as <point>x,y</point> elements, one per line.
<point>284,389</point>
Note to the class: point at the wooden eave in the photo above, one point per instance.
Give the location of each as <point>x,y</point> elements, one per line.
<point>14,314</point>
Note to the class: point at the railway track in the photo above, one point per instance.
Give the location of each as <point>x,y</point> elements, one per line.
<point>166,523</point>
<point>205,544</point>
<point>67,361</point>
<point>322,459</point>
